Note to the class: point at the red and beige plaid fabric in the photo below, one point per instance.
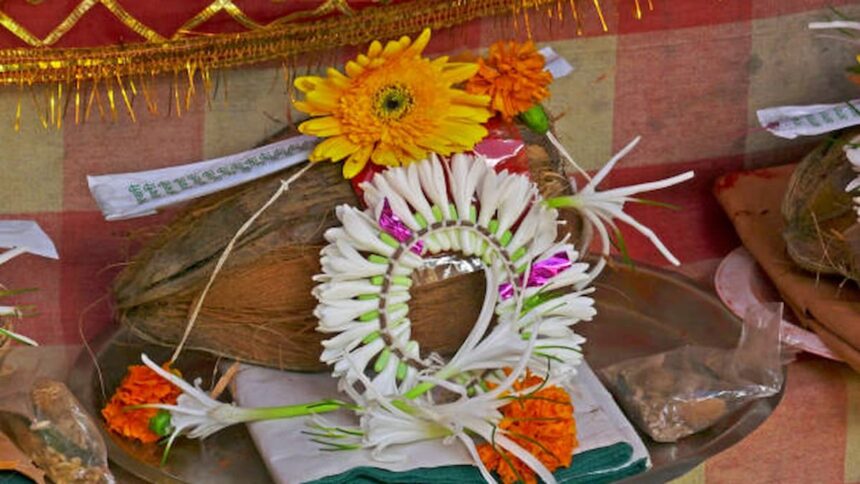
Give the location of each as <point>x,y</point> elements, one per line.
<point>689,78</point>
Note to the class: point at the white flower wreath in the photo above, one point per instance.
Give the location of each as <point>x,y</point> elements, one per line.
<point>535,286</point>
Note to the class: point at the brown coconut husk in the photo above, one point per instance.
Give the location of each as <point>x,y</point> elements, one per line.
<point>821,231</point>
<point>260,308</point>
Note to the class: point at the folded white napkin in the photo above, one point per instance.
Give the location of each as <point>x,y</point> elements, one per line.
<point>291,457</point>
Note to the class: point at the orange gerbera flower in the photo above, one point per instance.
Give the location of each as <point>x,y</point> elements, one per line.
<point>140,385</point>
<point>542,424</point>
<point>513,76</point>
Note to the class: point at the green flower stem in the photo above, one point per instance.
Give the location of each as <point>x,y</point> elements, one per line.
<point>290,411</point>
<point>426,386</point>
<point>419,390</point>
<point>562,202</point>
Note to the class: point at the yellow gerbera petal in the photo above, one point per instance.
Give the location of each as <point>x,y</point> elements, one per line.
<point>411,152</point>
<point>440,62</point>
<point>352,167</point>
<point>463,134</point>
<point>307,83</point>
<point>469,113</point>
<point>323,127</point>
<point>310,108</point>
<point>319,102</point>
<point>354,69</point>
<point>392,48</point>
<point>356,161</point>
<point>477,100</point>
<point>384,155</point>
<point>336,78</point>
<point>420,43</point>
<point>334,149</point>
<point>456,73</point>
<point>375,49</point>
<point>322,100</point>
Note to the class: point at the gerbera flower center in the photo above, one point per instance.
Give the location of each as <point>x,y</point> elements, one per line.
<point>392,102</point>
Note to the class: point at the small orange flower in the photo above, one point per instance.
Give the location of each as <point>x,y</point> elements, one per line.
<point>542,424</point>
<point>513,76</point>
<point>140,385</point>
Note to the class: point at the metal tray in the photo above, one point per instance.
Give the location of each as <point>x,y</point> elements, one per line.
<point>642,310</point>
<point>227,457</point>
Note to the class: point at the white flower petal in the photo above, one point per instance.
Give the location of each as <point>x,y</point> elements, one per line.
<point>599,208</point>
<point>360,232</point>
<point>398,204</point>
<point>386,380</point>
<point>502,347</point>
<point>359,358</point>
<point>518,197</point>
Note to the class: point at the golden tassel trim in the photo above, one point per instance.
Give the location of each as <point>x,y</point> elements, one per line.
<point>270,43</point>
<point>130,68</point>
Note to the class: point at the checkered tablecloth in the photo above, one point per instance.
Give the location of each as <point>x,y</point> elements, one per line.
<point>688,77</point>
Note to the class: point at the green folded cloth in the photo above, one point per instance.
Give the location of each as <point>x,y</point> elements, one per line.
<point>12,477</point>
<point>596,466</point>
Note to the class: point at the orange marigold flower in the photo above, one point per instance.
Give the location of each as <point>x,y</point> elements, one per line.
<point>513,76</point>
<point>542,424</point>
<point>140,385</point>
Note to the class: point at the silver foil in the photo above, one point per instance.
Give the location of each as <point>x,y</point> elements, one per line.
<point>439,268</point>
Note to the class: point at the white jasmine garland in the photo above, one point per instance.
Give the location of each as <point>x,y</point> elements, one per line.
<point>421,210</point>
<point>461,206</point>
<point>390,422</point>
<point>387,422</point>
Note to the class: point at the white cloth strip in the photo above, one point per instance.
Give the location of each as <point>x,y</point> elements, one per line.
<point>128,195</point>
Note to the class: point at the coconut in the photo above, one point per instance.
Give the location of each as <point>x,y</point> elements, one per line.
<point>821,231</point>
<point>260,307</point>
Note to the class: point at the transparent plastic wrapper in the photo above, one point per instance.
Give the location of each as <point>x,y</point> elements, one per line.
<point>680,392</point>
<point>46,421</point>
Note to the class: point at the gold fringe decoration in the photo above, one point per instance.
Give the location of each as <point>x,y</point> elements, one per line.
<point>121,71</point>
<point>273,42</point>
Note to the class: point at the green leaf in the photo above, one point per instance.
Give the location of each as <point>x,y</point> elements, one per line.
<point>655,203</point>
<point>619,243</point>
<point>18,337</point>
<point>15,292</point>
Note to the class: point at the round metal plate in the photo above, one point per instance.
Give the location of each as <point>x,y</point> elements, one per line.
<point>641,310</point>
<point>227,457</point>
<point>644,310</point>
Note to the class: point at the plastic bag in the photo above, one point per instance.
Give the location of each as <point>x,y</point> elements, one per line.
<point>46,421</point>
<point>677,393</point>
